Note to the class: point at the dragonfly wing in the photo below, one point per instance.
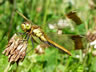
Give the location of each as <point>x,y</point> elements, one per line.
<point>51,43</point>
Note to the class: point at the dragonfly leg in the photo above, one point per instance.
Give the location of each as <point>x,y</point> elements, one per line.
<point>32,42</point>
<point>26,38</point>
<point>32,45</point>
<point>21,33</point>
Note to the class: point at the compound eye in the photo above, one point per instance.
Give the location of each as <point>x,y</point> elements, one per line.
<point>23,26</point>
<point>28,26</point>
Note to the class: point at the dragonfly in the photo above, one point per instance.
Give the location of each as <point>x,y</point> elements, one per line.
<point>37,31</point>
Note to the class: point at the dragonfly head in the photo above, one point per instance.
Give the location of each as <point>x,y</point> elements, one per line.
<point>26,26</point>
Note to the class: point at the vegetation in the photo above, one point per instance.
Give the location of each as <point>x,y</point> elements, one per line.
<point>45,13</point>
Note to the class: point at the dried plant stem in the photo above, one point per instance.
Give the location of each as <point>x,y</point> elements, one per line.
<point>7,68</point>
<point>23,16</point>
<point>86,27</point>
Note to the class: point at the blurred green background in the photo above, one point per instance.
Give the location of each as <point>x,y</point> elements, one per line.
<point>49,14</point>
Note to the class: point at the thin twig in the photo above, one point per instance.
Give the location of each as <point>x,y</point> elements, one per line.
<point>24,16</point>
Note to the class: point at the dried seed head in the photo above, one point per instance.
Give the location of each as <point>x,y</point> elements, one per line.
<point>16,49</point>
<point>40,48</point>
<point>91,36</point>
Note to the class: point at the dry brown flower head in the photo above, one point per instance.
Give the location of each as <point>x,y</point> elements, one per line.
<point>16,49</point>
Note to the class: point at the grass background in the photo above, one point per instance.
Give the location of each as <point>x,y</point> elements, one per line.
<point>42,13</point>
